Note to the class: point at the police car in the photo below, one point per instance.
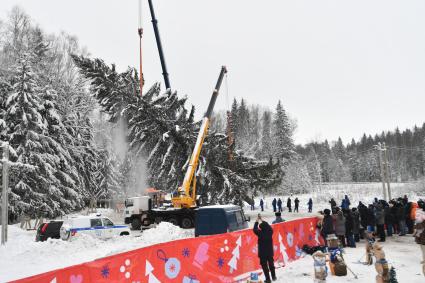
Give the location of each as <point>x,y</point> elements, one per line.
<point>94,225</point>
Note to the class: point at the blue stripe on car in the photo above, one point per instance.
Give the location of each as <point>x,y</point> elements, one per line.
<point>97,228</point>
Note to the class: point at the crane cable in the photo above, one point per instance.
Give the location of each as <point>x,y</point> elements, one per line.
<point>140,32</point>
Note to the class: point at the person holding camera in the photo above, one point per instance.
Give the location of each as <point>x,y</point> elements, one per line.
<point>264,233</point>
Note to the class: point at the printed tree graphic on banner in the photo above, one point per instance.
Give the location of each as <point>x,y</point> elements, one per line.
<point>282,249</point>
<point>233,262</point>
<point>149,272</point>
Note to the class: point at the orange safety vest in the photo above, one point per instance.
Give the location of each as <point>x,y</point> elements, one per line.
<point>413,210</point>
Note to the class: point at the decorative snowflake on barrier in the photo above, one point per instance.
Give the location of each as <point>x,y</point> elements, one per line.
<point>186,252</point>
<point>105,271</point>
<point>220,262</point>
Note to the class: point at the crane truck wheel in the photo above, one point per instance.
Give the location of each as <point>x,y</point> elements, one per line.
<point>173,221</point>
<point>186,223</point>
<point>136,224</point>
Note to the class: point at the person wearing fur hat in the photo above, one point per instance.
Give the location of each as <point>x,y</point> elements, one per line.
<point>264,233</point>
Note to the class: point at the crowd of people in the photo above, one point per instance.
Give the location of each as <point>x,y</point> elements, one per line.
<point>382,218</point>
<point>277,205</point>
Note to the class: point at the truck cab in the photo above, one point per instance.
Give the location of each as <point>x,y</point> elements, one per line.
<point>218,219</point>
<point>136,210</point>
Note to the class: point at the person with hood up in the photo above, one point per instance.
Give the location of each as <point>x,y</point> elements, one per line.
<point>310,205</point>
<point>262,204</point>
<point>264,233</point>
<point>340,227</point>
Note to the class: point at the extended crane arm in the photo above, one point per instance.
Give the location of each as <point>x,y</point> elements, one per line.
<point>185,198</point>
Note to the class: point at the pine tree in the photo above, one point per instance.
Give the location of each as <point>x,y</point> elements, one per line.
<point>35,187</point>
<point>283,141</point>
<point>266,139</point>
<point>163,132</point>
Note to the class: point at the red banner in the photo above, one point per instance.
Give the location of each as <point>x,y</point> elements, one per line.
<point>220,258</point>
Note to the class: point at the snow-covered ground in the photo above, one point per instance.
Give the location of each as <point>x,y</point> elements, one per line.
<point>37,257</point>
<point>23,257</point>
<point>401,252</point>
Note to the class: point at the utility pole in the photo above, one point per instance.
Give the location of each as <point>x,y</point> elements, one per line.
<point>381,163</point>
<point>5,191</point>
<point>387,172</point>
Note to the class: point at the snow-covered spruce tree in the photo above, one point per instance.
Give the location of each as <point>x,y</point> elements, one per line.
<point>282,133</point>
<point>162,130</point>
<point>35,188</point>
<point>266,139</point>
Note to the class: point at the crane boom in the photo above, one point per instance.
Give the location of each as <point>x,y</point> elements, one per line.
<point>159,45</point>
<point>185,197</point>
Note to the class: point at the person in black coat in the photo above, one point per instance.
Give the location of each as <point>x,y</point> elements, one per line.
<point>333,203</point>
<point>363,218</point>
<point>289,205</point>
<point>297,203</point>
<point>349,224</point>
<point>370,219</point>
<point>274,203</point>
<point>327,224</point>
<point>264,233</point>
<point>401,217</point>
<point>262,204</point>
<point>279,205</point>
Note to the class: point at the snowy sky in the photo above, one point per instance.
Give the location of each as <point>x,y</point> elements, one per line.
<point>341,68</point>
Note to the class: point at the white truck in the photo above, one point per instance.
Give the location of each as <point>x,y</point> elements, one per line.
<point>139,211</point>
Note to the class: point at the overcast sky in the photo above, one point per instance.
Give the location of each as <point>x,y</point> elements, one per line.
<point>340,67</point>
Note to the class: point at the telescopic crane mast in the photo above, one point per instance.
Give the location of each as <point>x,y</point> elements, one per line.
<point>159,45</point>
<point>186,197</point>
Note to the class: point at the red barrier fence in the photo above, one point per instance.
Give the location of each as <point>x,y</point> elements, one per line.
<point>220,258</point>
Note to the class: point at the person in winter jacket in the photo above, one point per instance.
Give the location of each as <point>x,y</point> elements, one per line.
<point>289,205</point>
<point>262,204</point>
<point>264,233</point>
<point>345,203</point>
<point>401,217</point>
<point>388,220</point>
<point>279,205</point>
<point>297,203</point>
<point>340,227</point>
<point>274,203</point>
<point>310,205</point>
<point>363,218</point>
<point>356,224</point>
<point>349,228</point>
<point>380,222</point>
<point>327,224</point>
<point>332,203</point>
<point>419,232</point>
<point>393,217</point>
<point>278,219</point>
<point>370,218</point>
<point>409,221</point>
